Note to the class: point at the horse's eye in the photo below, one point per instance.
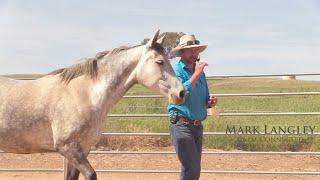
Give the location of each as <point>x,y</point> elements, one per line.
<point>160,62</point>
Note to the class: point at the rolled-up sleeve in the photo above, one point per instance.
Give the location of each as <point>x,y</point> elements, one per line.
<point>188,86</point>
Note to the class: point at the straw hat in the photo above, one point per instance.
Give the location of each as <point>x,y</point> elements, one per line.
<point>186,42</point>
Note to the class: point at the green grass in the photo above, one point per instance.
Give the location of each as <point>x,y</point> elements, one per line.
<point>235,104</point>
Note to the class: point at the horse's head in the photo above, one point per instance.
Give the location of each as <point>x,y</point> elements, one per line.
<point>155,71</point>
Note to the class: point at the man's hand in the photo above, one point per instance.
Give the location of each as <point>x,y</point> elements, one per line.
<point>199,67</point>
<point>198,70</point>
<point>213,101</point>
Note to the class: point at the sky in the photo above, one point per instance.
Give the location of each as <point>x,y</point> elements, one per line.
<point>243,36</point>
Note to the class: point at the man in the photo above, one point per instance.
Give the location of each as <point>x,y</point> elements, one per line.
<point>186,119</point>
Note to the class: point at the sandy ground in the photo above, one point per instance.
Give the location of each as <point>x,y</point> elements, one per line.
<point>162,162</point>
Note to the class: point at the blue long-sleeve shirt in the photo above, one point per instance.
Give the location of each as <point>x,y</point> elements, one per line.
<point>195,105</point>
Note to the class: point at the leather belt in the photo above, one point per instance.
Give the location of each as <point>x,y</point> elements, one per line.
<point>187,121</point>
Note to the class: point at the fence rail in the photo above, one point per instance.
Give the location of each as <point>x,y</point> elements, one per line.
<point>216,172</point>
<point>210,133</point>
<point>209,152</point>
<point>227,114</point>
<point>260,75</point>
<point>204,152</point>
<point>31,170</point>
<point>169,171</point>
<point>233,76</point>
<point>235,94</point>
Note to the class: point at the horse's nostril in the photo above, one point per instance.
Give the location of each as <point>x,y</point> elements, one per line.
<point>182,94</point>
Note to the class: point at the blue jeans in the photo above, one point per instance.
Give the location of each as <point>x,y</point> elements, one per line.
<point>187,141</point>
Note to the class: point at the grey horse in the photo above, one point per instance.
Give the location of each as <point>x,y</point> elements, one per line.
<point>64,111</point>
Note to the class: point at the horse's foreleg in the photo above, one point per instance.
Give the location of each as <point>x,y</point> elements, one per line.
<point>72,173</point>
<point>78,159</point>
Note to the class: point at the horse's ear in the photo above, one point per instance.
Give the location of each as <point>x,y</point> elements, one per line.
<point>161,39</point>
<point>153,40</point>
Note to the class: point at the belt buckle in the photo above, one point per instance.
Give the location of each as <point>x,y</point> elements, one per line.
<point>197,122</point>
<point>184,120</point>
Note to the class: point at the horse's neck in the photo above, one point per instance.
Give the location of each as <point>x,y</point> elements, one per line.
<point>115,77</point>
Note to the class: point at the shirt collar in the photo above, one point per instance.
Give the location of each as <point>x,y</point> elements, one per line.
<point>182,64</point>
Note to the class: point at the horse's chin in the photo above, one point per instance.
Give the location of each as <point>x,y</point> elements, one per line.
<point>176,101</point>
<point>173,99</point>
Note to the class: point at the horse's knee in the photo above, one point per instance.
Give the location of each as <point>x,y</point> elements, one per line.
<point>78,158</point>
<point>92,176</point>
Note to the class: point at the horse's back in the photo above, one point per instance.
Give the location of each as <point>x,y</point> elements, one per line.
<point>7,80</point>
<point>10,89</point>
<point>6,83</point>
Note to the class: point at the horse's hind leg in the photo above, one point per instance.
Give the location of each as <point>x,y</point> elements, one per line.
<point>78,159</point>
<point>72,173</point>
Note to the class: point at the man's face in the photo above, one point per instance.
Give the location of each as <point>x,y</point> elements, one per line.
<point>190,55</point>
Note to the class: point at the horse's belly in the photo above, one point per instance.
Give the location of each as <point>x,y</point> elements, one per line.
<point>27,140</point>
<point>23,145</point>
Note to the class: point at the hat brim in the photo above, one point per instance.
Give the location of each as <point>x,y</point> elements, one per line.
<point>175,51</point>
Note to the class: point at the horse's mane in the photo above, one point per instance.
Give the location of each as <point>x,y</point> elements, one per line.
<point>89,66</point>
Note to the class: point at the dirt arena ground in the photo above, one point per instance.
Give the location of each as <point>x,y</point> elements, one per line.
<point>162,162</point>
